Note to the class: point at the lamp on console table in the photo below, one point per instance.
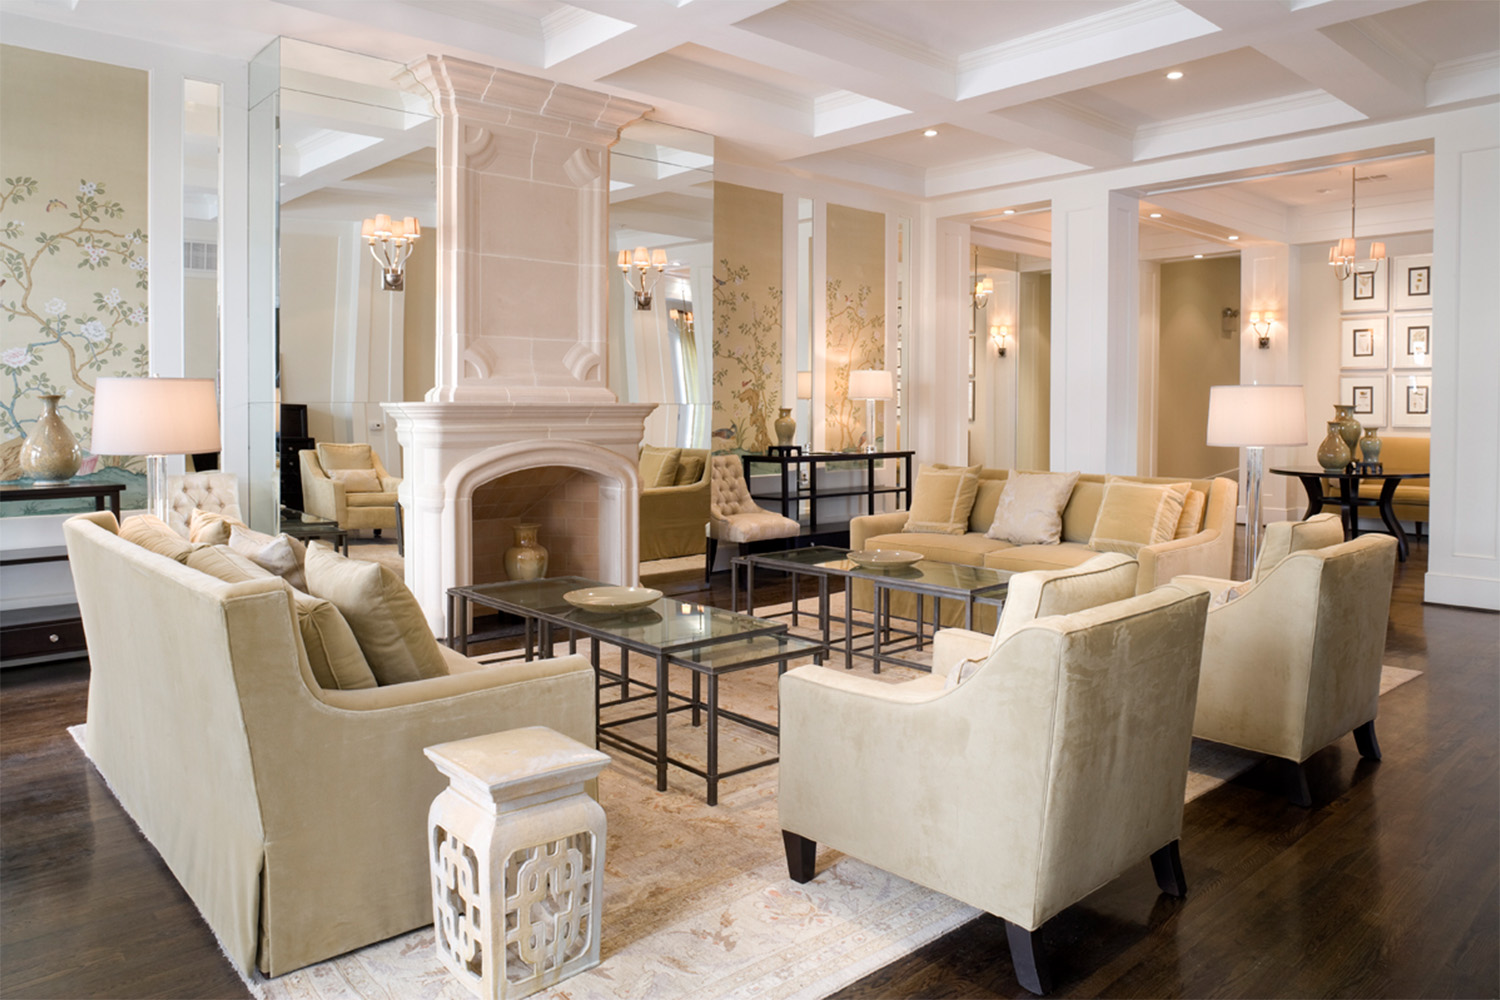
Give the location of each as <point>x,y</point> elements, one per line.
<point>1255,417</point>
<point>155,417</point>
<point>871,384</point>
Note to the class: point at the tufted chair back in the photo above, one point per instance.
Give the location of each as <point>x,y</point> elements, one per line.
<point>215,492</point>
<point>728,492</point>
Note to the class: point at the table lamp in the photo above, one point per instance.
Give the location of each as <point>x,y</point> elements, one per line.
<point>155,417</point>
<point>1255,417</point>
<point>871,384</point>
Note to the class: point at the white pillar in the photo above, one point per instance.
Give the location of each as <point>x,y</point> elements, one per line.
<point>1265,286</point>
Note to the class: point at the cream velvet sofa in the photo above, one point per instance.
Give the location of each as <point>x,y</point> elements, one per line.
<point>1058,764</point>
<point>1208,552</point>
<point>294,817</point>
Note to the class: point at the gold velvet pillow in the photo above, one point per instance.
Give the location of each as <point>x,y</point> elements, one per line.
<point>1134,515</point>
<point>941,499</point>
<point>209,527</point>
<point>387,620</point>
<point>1191,521</point>
<point>151,532</point>
<point>1031,506</point>
<point>689,470</point>
<point>659,466</point>
<point>356,480</point>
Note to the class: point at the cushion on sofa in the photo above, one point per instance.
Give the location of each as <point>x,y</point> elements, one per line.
<point>941,500</point>
<point>1134,515</point>
<point>151,532</point>
<point>1030,508</point>
<point>280,554</point>
<point>689,470</point>
<point>1024,558</point>
<point>1190,522</point>
<point>333,654</point>
<point>210,527</point>
<point>356,480</point>
<point>986,499</point>
<point>387,620</point>
<point>968,549</point>
<point>659,466</point>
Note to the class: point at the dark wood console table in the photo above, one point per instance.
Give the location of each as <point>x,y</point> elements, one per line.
<point>1349,499</point>
<point>792,492</point>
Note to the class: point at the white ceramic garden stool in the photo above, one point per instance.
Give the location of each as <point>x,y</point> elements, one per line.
<point>516,846</point>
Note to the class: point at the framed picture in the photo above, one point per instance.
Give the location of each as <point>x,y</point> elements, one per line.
<point>1412,278</point>
<point>971,401</point>
<point>1411,341</point>
<point>1365,291</point>
<point>1411,400</point>
<point>1362,342</point>
<point>1367,395</point>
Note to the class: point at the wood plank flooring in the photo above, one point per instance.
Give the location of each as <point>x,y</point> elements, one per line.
<point>1388,887</point>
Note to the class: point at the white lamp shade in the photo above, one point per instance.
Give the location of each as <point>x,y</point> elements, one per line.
<point>155,416</point>
<point>1256,416</point>
<point>804,385</point>
<point>871,384</point>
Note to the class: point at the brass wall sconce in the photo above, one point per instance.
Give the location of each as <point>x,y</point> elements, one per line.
<point>390,244</point>
<point>1000,337</point>
<point>644,262</point>
<point>1261,322</point>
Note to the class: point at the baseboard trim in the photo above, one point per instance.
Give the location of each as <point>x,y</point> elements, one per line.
<point>1461,591</point>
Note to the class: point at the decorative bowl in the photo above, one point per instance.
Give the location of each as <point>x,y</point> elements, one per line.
<point>885,558</point>
<point>612,600</point>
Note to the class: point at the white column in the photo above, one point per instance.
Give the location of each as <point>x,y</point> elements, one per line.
<point>1095,288</point>
<point>1265,286</point>
<point>1463,565</point>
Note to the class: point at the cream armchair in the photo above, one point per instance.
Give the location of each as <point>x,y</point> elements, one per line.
<point>1058,764</point>
<point>348,484</point>
<point>1292,661</point>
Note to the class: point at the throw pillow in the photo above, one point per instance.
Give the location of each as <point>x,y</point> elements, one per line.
<point>941,499</point>
<point>960,672</point>
<point>659,466</point>
<point>1031,506</point>
<point>1191,521</point>
<point>280,554</point>
<point>689,470</point>
<point>210,528</point>
<point>1134,515</point>
<point>356,480</point>
<point>387,621</point>
<point>151,532</point>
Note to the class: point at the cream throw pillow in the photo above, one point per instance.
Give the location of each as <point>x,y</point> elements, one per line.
<point>356,480</point>
<point>1134,515</point>
<point>209,527</point>
<point>1031,506</point>
<point>941,500</point>
<point>151,532</point>
<point>280,554</point>
<point>386,619</point>
<point>659,466</point>
<point>1191,521</point>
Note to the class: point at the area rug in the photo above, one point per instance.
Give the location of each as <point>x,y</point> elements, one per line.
<point>697,899</point>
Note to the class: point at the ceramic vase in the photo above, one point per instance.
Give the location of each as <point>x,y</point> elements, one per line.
<point>1349,428</point>
<point>1369,445</point>
<point>1333,453</point>
<point>785,426</point>
<point>527,559</point>
<point>50,454</point>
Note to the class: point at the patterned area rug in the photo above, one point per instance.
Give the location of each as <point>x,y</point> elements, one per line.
<point>697,899</point>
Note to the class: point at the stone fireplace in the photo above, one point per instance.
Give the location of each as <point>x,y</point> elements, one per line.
<point>521,423</point>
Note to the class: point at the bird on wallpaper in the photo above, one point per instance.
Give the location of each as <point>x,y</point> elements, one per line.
<point>725,433</point>
<point>58,202</point>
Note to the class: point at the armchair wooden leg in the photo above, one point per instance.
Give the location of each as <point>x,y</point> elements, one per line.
<point>1295,777</point>
<point>801,856</point>
<point>1029,958</point>
<point>708,566</point>
<point>1166,865</point>
<point>1364,739</point>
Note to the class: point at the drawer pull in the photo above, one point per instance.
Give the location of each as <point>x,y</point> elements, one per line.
<point>53,637</point>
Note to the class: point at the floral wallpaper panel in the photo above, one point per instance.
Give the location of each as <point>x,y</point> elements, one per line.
<point>747,318</point>
<point>855,300</point>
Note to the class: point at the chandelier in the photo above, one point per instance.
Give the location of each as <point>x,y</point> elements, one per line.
<point>643,261</point>
<point>390,244</point>
<point>1343,256</point>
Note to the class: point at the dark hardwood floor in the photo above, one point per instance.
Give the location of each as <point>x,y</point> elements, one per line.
<point>1388,887</point>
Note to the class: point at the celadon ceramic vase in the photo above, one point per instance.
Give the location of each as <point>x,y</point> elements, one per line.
<point>50,455</point>
<point>527,559</point>
<point>785,426</point>
<point>1369,445</point>
<point>1333,453</point>
<point>1349,428</point>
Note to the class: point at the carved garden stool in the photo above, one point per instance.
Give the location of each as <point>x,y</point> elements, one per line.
<point>517,852</point>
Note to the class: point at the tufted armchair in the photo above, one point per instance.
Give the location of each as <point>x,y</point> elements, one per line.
<point>346,483</point>
<point>733,516</point>
<point>1057,765</point>
<point>215,492</point>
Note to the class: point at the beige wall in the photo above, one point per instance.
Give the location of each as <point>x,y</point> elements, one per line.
<point>1034,390</point>
<point>855,333</point>
<point>1193,354</point>
<point>419,368</point>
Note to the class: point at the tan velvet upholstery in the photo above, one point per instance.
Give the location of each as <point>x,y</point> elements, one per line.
<point>733,515</point>
<point>294,818</point>
<point>328,497</point>
<point>1293,663</point>
<point>1060,763</point>
<point>1282,538</point>
<point>672,517</point>
<point>215,492</point>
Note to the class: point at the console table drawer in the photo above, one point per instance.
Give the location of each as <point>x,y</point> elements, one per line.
<point>42,638</point>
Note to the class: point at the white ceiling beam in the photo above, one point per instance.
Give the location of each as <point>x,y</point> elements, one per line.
<point>1049,127</point>
<point>659,28</point>
<point>369,158</point>
<point>1352,66</point>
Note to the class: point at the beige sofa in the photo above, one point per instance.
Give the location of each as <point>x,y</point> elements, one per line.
<point>1208,552</point>
<point>673,517</point>
<point>294,817</point>
<point>325,495</point>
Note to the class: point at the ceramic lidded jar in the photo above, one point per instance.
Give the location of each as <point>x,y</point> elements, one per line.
<point>1333,453</point>
<point>527,559</point>
<point>50,456</point>
<point>785,426</point>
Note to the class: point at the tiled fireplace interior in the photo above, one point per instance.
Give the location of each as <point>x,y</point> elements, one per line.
<point>564,501</point>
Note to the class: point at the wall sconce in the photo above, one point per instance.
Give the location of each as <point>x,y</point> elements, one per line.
<point>1229,321</point>
<point>684,320</point>
<point>984,287</point>
<point>1000,337</point>
<point>390,244</point>
<point>644,261</point>
<point>1261,322</point>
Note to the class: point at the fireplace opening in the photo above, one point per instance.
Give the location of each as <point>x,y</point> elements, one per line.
<point>562,501</point>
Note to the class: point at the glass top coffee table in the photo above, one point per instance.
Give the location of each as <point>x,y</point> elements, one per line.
<point>972,585</point>
<point>302,525</point>
<point>709,642</point>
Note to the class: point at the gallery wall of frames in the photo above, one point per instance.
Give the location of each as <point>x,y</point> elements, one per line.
<point>1385,344</point>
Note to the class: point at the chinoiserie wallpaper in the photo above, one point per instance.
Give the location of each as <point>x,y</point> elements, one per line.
<point>747,318</point>
<point>73,277</point>
<point>855,339</point>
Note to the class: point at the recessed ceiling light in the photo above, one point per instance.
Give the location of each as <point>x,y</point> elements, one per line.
<point>1156,215</point>
<point>1176,74</point>
<point>1234,237</point>
<point>1197,256</point>
<point>929,133</point>
<point>1009,211</point>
